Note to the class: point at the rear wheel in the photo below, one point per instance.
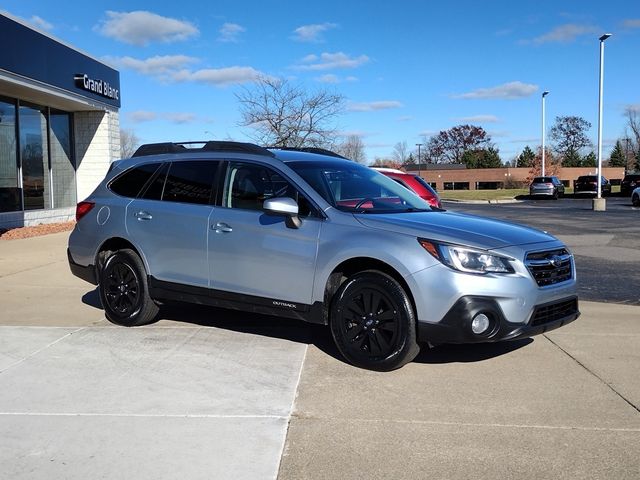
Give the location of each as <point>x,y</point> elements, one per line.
<point>636,200</point>
<point>124,291</point>
<point>373,323</point>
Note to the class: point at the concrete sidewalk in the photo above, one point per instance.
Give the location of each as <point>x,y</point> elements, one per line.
<point>206,393</point>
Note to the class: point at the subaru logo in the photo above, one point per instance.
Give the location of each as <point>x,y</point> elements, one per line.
<point>556,261</point>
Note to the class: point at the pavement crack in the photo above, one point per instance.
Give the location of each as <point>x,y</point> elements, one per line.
<point>629,402</point>
<point>30,269</point>
<point>33,354</point>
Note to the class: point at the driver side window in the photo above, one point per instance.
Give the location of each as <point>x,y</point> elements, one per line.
<point>248,185</point>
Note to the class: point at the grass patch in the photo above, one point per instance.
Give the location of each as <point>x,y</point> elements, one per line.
<point>482,194</point>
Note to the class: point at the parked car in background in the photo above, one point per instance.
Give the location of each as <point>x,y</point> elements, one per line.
<point>313,236</point>
<point>587,185</point>
<point>416,184</point>
<point>629,183</point>
<point>635,197</point>
<point>546,186</point>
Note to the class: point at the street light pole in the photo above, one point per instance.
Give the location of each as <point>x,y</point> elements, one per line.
<point>419,172</point>
<point>544,94</point>
<point>599,203</point>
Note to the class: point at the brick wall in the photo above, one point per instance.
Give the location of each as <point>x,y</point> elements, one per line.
<point>502,175</point>
<point>97,144</point>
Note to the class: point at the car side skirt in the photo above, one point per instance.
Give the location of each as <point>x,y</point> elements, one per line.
<point>162,290</point>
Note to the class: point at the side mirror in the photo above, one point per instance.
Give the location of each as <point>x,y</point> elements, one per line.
<point>283,206</point>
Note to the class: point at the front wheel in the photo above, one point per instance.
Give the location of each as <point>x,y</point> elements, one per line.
<point>636,200</point>
<point>124,291</point>
<point>373,323</point>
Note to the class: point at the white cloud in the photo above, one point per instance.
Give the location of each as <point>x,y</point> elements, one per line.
<point>508,91</point>
<point>142,27</point>
<point>35,20</point>
<point>566,33</point>
<point>479,119</point>
<point>230,32</point>
<point>631,23</point>
<point>499,133</point>
<point>140,116</point>
<point>219,76</point>
<point>331,61</point>
<point>374,106</point>
<point>405,118</point>
<point>40,23</point>
<point>634,107</point>
<point>156,66</point>
<point>180,117</point>
<point>351,78</point>
<point>312,33</point>
<point>328,78</point>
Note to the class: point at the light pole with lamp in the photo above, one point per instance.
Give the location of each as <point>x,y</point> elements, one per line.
<point>419,172</point>
<point>599,203</point>
<point>544,94</point>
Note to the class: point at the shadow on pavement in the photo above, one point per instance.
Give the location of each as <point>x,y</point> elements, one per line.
<point>476,352</point>
<point>310,334</point>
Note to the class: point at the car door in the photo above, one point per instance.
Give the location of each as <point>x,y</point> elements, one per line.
<point>170,219</point>
<point>253,253</point>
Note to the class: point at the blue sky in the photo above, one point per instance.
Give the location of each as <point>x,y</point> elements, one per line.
<point>407,69</point>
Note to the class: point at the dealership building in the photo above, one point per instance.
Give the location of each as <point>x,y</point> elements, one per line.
<point>59,125</point>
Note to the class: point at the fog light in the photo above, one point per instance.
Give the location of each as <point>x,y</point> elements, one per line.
<point>480,324</point>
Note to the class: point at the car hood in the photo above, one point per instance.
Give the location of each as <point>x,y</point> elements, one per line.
<point>462,229</point>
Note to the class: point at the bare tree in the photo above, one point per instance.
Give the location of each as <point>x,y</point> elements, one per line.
<point>633,123</point>
<point>284,115</point>
<point>353,149</point>
<point>569,135</point>
<point>129,143</point>
<point>448,146</point>
<point>400,152</point>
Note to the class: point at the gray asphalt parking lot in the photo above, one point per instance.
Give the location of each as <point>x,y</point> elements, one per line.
<point>207,393</point>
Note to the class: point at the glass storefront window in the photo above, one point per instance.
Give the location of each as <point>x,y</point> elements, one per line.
<point>34,157</point>
<point>10,195</point>
<point>62,164</point>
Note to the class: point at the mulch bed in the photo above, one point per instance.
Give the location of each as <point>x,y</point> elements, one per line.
<point>38,230</point>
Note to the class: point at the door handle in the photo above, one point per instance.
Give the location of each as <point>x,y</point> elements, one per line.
<point>221,227</point>
<point>142,215</point>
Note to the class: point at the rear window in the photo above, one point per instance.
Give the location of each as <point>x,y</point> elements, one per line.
<point>543,180</point>
<point>587,178</point>
<point>131,182</point>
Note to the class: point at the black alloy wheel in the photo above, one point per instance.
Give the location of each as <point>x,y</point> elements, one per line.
<point>124,292</point>
<point>373,323</point>
<point>636,200</point>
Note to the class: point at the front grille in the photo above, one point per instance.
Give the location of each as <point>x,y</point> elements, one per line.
<point>550,267</point>
<point>554,311</point>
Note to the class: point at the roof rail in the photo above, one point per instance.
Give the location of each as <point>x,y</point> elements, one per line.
<point>205,146</point>
<point>318,150</point>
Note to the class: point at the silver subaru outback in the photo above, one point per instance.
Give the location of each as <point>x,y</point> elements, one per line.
<point>310,235</point>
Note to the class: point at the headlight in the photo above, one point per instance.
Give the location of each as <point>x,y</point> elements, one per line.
<point>467,259</point>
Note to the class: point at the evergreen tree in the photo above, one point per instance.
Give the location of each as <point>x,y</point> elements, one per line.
<point>526,158</point>
<point>589,160</point>
<point>572,158</point>
<point>482,158</point>
<point>617,158</point>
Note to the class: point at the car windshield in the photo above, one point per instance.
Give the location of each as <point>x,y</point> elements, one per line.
<point>354,188</point>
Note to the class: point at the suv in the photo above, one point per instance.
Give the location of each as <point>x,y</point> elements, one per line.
<point>313,236</point>
<point>588,184</point>
<point>416,184</point>
<point>548,186</point>
<point>629,183</point>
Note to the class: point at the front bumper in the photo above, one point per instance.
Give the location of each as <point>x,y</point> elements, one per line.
<point>455,327</point>
<point>88,273</point>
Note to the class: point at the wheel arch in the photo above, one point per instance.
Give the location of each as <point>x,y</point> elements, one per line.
<point>350,267</point>
<point>111,245</point>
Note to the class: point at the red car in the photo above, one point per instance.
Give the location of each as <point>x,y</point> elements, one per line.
<point>414,183</point>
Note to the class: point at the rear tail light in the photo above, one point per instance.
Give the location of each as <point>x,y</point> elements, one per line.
<point>83,208</point>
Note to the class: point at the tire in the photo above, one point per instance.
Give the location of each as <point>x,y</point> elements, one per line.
<point>124,291</point>
<point>373,323</point>
<point>636,200</point>
<point>555,195</point>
